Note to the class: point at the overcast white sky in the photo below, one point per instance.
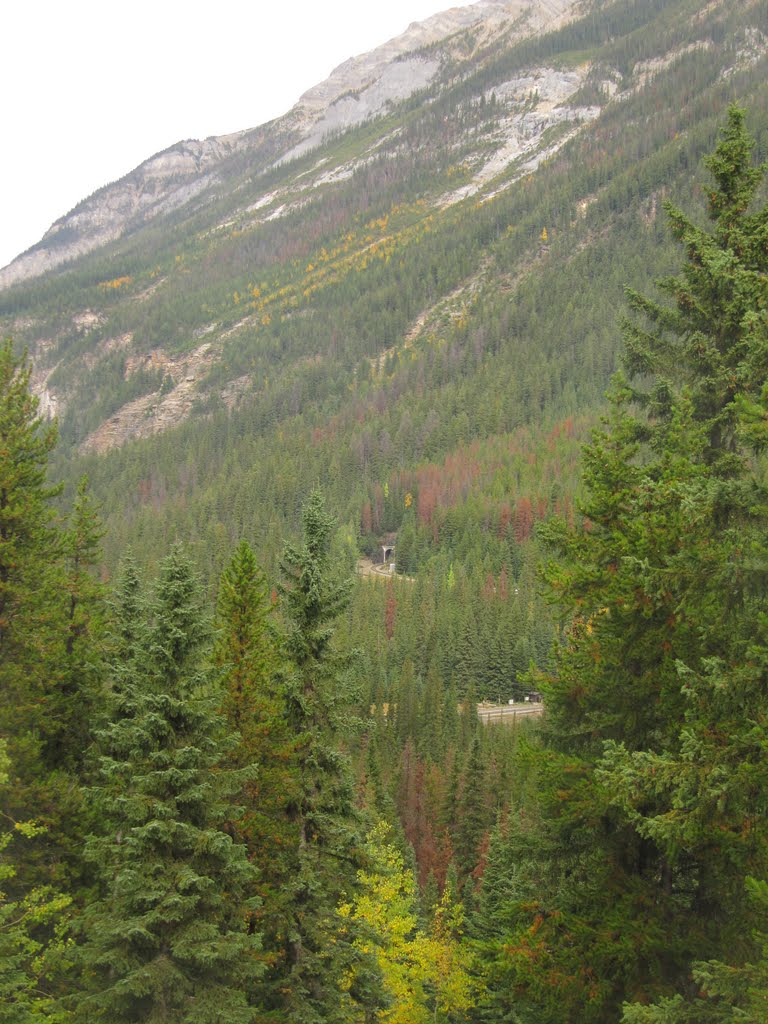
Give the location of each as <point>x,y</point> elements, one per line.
<point>91,88</point>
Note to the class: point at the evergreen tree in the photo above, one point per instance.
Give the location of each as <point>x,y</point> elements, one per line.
<point>431,731</point>
<point>449,811</point>
<point>126,640</point>
<point>407,703</point>
<point>29,950</point>
<point>254,707</point>
<point>652,778</point>
<point>320,985</point>
<point>497,885</point>
<point>34,702</point>
<point>167,938</point>
<point>726,994</point>
<point>714,342</point>
<point>245,652</point>
<point>377,798</point>
<point>468,722</point>
<point>468,655</point>
<point>79,667</point>
<point>29,561</point>
<point>82,550</point>
<point>472,814</point>
<point>450,717</point>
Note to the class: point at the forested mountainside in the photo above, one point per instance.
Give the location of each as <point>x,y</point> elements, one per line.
<point>423,305</point>
<point>389,321</point>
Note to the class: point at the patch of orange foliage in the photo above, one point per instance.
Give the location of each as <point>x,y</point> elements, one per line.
<point>117,282</point>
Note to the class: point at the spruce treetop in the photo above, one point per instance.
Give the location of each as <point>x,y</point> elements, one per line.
<point>713,343</point>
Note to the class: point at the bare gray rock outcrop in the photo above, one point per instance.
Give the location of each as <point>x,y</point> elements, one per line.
<point>357,90</point>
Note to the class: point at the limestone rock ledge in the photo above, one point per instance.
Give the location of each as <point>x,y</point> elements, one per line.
<point>358,89</point>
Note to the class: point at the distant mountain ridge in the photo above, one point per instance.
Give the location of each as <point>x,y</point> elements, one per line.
<point>358,89</point>
<point>419,300</point>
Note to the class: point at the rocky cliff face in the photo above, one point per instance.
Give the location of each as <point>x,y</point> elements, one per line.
<point>161,184</point>
<point>364,86</point>
<point>357,90</point>
<point>357,232</point>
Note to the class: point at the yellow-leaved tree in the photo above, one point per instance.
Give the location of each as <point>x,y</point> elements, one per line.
<point>426,973</point>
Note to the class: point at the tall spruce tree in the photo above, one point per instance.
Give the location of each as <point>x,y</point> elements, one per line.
<point>329,979</point>
<point>30,552</point>
<point>472,815</point>
<point>714,340</point>
<point>79,665</point>
<point>167,939</point>
<point>246,654</point>
<point>128,624</point>
<point>34,702</point>
<point>652,780</point>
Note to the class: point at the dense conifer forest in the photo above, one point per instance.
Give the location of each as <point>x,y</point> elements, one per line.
<point>283,806</point>
<point>243,777</point>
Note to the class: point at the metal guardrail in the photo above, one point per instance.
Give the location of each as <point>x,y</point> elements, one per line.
<point>507,713</point>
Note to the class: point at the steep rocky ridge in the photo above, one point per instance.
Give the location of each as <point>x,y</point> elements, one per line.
<point>160,185</point>
<point>366,85</point>
<point>238,273</point>
<point>357,90</point>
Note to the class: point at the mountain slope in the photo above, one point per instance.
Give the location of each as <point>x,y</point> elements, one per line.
<point>423,306</point>
<point>361,88</point>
